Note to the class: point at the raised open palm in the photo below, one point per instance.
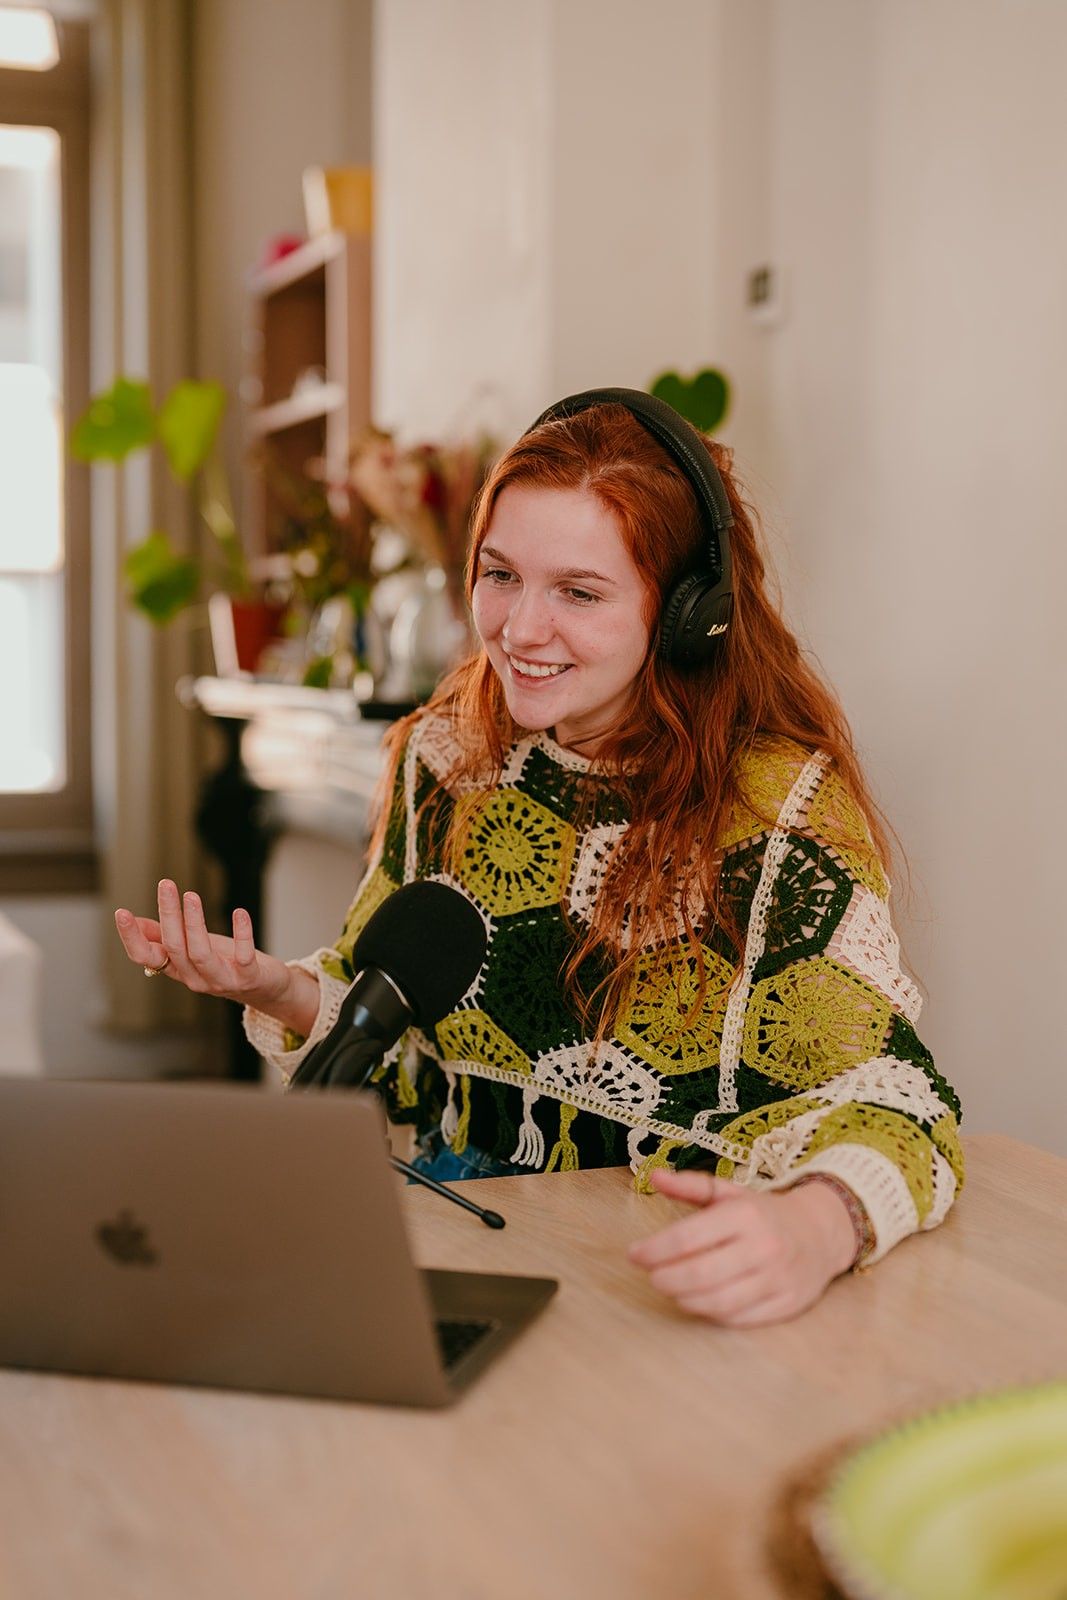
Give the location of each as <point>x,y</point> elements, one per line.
<point>179,944</point>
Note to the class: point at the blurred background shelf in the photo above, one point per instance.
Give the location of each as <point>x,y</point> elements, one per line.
<point>308,406</point>
<point>308,383</point>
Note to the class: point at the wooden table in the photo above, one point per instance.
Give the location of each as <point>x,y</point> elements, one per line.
<point>619,1449</point>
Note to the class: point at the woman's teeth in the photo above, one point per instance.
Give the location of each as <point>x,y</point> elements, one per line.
<point>531,669</point>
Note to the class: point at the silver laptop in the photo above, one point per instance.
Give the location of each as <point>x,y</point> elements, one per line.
<point>230,1236</point>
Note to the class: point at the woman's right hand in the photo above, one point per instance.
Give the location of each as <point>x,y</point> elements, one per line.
<point>212,963</point>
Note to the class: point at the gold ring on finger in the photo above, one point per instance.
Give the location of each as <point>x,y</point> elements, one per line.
<point>153,972</point>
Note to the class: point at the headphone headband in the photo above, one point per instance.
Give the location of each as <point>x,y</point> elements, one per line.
<point>696,612</point>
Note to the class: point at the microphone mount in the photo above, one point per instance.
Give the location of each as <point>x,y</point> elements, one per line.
<point>492,1219</point>
<point>350,1066</point>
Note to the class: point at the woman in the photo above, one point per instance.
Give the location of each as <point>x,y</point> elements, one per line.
<point>690,961</point>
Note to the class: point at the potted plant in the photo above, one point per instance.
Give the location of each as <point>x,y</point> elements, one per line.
<point>161,579</point>
<point>327,538</point>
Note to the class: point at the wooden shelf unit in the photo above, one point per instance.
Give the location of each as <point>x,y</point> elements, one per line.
<point>309,315</point>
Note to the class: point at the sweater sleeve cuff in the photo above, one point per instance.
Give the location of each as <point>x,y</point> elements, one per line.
<point>269,1037</point>
<point>876,1182</point>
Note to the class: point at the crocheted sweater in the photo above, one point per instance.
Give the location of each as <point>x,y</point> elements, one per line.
<point>802,1058</point>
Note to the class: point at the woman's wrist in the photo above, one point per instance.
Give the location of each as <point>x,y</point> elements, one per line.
<point>297,1006</point>
<point>842,1217</point>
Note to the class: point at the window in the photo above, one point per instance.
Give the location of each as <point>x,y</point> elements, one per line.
<point>45,793</point>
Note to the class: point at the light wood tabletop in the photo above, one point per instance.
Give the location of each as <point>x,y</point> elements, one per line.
<point>618,1449</point>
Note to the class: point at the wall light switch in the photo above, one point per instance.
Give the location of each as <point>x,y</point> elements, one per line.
<point>763,295</point>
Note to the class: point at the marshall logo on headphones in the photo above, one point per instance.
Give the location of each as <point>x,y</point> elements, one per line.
<point>717,627</point>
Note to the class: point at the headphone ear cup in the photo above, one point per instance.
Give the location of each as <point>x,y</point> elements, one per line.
<point>695,621</point>
<point>674,604</point>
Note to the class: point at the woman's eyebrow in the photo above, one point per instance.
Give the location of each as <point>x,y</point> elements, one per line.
<point>490,554</point>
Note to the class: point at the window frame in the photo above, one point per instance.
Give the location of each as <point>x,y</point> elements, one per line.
<point>46,839</point>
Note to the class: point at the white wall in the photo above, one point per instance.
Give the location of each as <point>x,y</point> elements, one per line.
<point>634,176</point>
<point>462,147</point>
<point>543,222</point>
<point>308,887</point>
<point>902,162</point>
<point>913,431</point>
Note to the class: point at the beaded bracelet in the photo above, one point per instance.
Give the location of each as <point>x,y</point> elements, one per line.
<point>857,1211</point>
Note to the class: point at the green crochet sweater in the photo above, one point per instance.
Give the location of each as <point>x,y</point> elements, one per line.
<point>808,1062</point>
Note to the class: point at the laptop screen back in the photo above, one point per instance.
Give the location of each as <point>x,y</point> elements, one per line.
<point>209,1234</point>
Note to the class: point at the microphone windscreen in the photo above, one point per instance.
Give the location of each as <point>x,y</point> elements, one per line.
<point>431,941</point>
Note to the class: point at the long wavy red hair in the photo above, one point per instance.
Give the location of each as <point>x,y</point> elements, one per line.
<point>677,745</point>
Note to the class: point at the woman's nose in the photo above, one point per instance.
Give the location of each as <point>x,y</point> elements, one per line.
<point>530,621</point>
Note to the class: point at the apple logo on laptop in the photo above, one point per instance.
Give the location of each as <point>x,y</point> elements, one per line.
<point>126,1241</point>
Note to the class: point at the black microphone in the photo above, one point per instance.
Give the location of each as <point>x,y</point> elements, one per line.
<point>418,955</point>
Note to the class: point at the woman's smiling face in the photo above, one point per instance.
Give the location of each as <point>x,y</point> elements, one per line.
<point>560,607</point>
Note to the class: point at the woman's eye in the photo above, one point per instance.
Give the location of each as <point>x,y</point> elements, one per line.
<point>582,596</point>
<point>497,574</point>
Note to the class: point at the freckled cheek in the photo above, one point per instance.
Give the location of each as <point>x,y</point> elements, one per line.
<point>489,613</point>
<point>621,645</point>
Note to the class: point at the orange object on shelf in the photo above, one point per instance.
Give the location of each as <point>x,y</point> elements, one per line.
<point>338,200</point>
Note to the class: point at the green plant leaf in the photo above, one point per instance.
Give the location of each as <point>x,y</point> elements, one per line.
<point>216,508</point>
<point>188,422</point>
<point>116,422</point>
<point>159,580</point>
<point>318,672</point>
<point>701,400</point>
<point>358,596</point>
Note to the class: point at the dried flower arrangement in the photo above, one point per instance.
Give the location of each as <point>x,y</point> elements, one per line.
<point>424,491</point>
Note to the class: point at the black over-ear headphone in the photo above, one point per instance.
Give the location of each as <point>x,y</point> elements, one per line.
<point>695,618</point>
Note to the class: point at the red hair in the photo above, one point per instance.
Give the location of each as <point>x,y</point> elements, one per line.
<point>677,745</point>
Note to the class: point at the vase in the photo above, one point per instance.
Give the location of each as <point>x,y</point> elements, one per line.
<point>431,633</point>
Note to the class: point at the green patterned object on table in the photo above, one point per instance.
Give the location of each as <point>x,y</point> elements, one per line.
<point>701,400</point>
<point>965,1503</point>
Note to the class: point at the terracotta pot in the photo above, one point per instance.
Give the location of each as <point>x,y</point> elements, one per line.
<point>241,631</point>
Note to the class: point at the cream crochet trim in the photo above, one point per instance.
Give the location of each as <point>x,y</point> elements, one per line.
<point>733,1029</point>
<point>411,756</point>
<point>883,1081</point>
<point>865,941</point>
<point>267,1035</point>
<point>534,1089</point>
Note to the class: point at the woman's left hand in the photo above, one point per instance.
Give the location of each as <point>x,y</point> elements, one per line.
<point>746,1256</point>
